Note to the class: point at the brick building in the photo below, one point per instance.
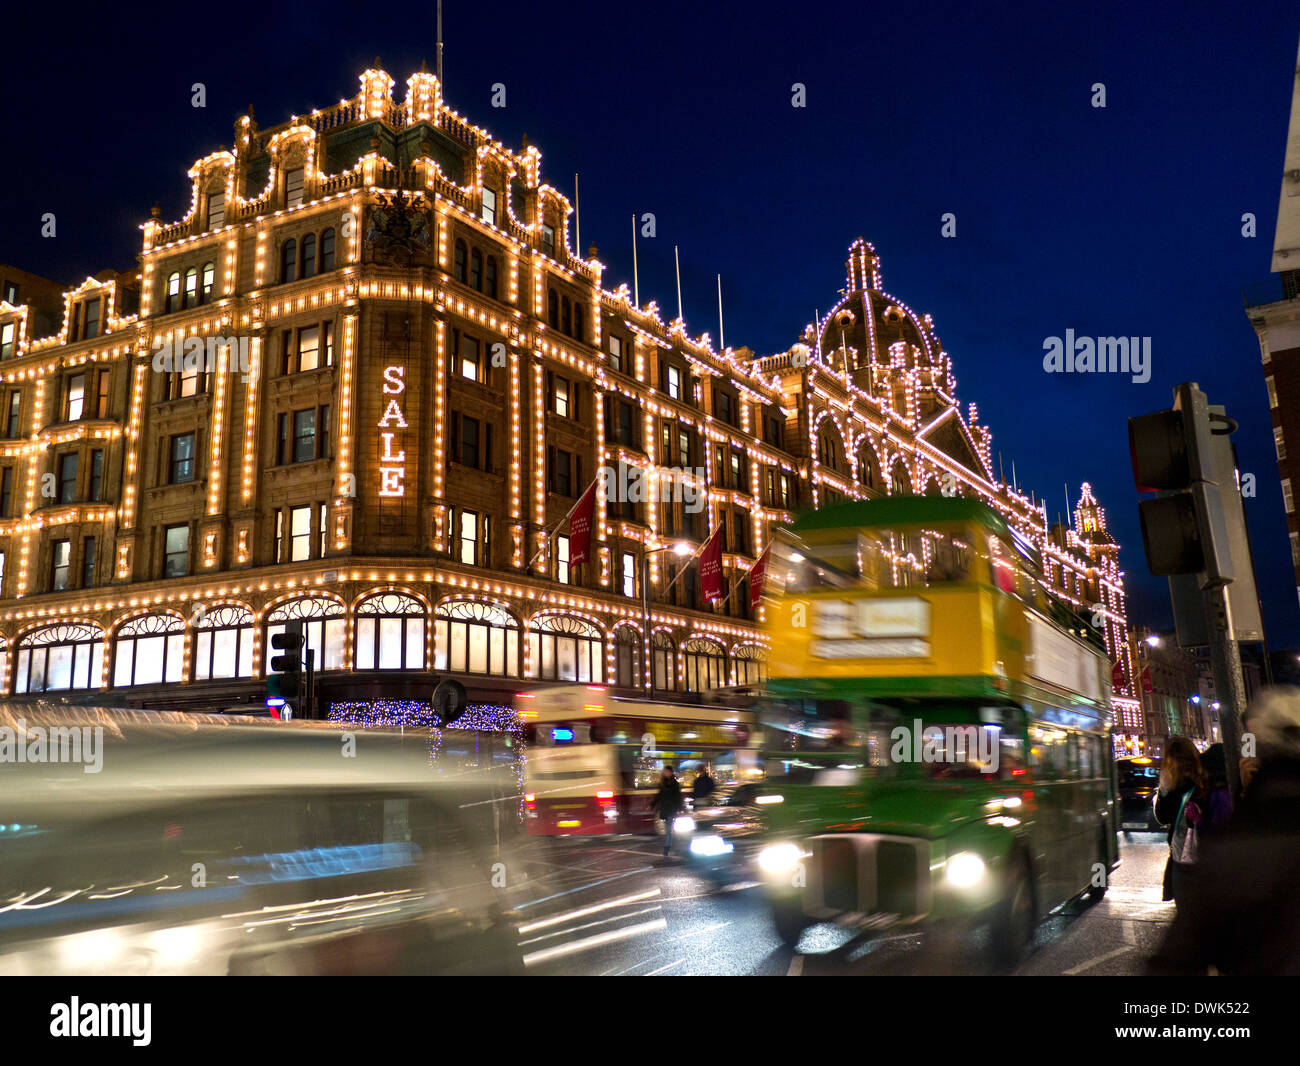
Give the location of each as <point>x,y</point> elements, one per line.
<point>367,374</point>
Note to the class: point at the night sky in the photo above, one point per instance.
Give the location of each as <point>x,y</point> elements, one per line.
<point>1124,221</point>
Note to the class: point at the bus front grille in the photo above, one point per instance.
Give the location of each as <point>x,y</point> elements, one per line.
<point>869,874</point>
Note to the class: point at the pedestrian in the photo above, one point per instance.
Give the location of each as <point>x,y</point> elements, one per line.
<point>668,803</point>
<point>1180,805</point>
<point>704,785</point>
<point>1218,803</point>
<point>1241,912</point>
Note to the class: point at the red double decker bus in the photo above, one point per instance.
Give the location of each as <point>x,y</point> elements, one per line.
<point>593,761</point>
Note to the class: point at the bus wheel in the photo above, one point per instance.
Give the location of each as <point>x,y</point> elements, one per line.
<point>789,921</point>
<point>1013,922</point>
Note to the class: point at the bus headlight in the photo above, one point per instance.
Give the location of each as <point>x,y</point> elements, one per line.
<point>683,824</point>
<point>777,859</point>
<point>964,869</point>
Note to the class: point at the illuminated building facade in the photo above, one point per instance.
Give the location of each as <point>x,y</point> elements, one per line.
<point>362,381</point>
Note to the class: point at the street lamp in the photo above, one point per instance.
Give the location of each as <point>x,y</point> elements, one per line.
<point>681,549</point>
<point>1153,641</point>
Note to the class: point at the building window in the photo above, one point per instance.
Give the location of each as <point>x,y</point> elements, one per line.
<point>674,383</point>
<point>563,572</point>
<point>1295,549</point>
<point>476,638</point>
<point>68,477</point>
<point>304,435</point>
<point>490,206</point>
<point>96,475</point>
<point>299,534</point>
<point>191,298</point>
<point>149,650</point>
<point>750,664</point>
<point>74,403</point>
<point>289,260</point>
<point>459,261</point>
<point>11,293</point>
<point>7,334</point>
<point>390,633</point>
<point>15,409</point>
<point>560,395</point>
<point>1287,501</point>
<point>1279,442</point>
<point>476,270</point>
<point>627,657</point>
<point>173,301</point>
<point>322,526</point>
<point>327,249</point>
<point>102,394</point>
<point>216,210</point>
<point>490,277</point>
<point>553,309</point>
<point>308,348</point>
<point>469,441</point>
<point>567,649</point>
<point>6,491</point>
<point>616,353</point>
<point>308,256</point>
<point>663,660</point>
<point>293,187</point>
<point>706,665</point>
<point>467,540</point>
<point>566,316</point>
<point>60,558</point>
<point>470,361</point>
<point>90,314</point>
<point>181,462</point>
<point>176,551</point>
<point>87,562</point>
<point>278,547</point>
<point>1272,391</point>
<point>563,468</point>
<point>548,240</point>
<point>223,644</point>
<point>627,573</point>
<point>323,628</point>
<point>772,430</point>
<point>59,657</point>
<point>726,406</point>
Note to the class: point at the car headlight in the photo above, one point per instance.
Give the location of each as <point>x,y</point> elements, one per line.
<point>683,824</point>
<point>710,846</point>
<point>964,869</point>
<point>778,859</point>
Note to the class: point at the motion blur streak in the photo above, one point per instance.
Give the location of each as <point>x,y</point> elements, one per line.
<point>569,916</point>
<point>590,925</point>
<point>595,942</point>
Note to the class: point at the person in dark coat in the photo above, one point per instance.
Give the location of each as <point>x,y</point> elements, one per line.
<point>1218,804</point>
<point>1179,806</point>
<point>704,785</point>
<point>667,804</point>
<point>1241,912</point>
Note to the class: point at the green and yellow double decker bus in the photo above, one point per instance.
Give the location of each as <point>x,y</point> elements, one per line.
<point>936,726</point>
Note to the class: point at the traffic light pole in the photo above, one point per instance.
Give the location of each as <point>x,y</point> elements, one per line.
<point>1225,657</point>
<point>309,697</point>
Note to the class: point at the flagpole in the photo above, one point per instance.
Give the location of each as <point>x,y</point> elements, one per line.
<point>722,337</point>
<point>551,535</point>
<point>727,598</point>
<point>694,555</point>
<point>636,287</point>
<point>577,218</point>
<point>678,264</point>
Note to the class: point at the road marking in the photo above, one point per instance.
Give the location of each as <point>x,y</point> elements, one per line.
<point>661,969</point>
<point>582,912</point>
<point>590,942</point>
<point>590,925</point>
<point>1130,937</point>
<point>583,888</point>
<point>796,967</point>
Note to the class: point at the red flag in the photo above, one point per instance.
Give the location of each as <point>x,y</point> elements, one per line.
<point>580,522</point>
<point>711,567</point>
<point>1118,678</point>
<point>757,578</point>
<point>1146,680</point>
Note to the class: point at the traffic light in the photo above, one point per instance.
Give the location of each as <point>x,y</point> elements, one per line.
<point>1183,528</point>
<point>285,686</point>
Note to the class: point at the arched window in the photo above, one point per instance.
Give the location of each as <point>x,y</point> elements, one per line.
<point>149,650</point>
<point>476,638</point>
<point>59,657</point>
<point>829,449</point>
<point>327,249</point>
<point>899,483</point>
<point>567,649</point>
<point>390,633</point>
<point>663,656</point>
<point>553,309</point>
<point>490,277</point>
<point>289,260</point>
<point>627,657</point>
<point>579,331</point>
<point>223,643</point>
<point>308,255</point>
<point>476,270</point>
<point>706,665</point>
<point>868,468</point>
<point>566,316</point>
<point>209,276</point>
<point>750,662</point>
<point>322,625</point>
<point>458,266</point>
<point>191,288</point>
<point>173,292</point>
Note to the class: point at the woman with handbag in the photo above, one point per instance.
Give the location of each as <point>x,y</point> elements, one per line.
<point>1180,804</point>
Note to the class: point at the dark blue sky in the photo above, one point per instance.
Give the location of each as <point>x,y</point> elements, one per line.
<point>1122,221</point>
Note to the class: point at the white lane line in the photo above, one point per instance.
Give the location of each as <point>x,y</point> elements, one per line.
<point>654,973</point>
<point>590,942</point>
<point>1130,938</point>
<point>569,916</point>
<point>582,888</point>
<point>590,925</point>
<point>796,966</point>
